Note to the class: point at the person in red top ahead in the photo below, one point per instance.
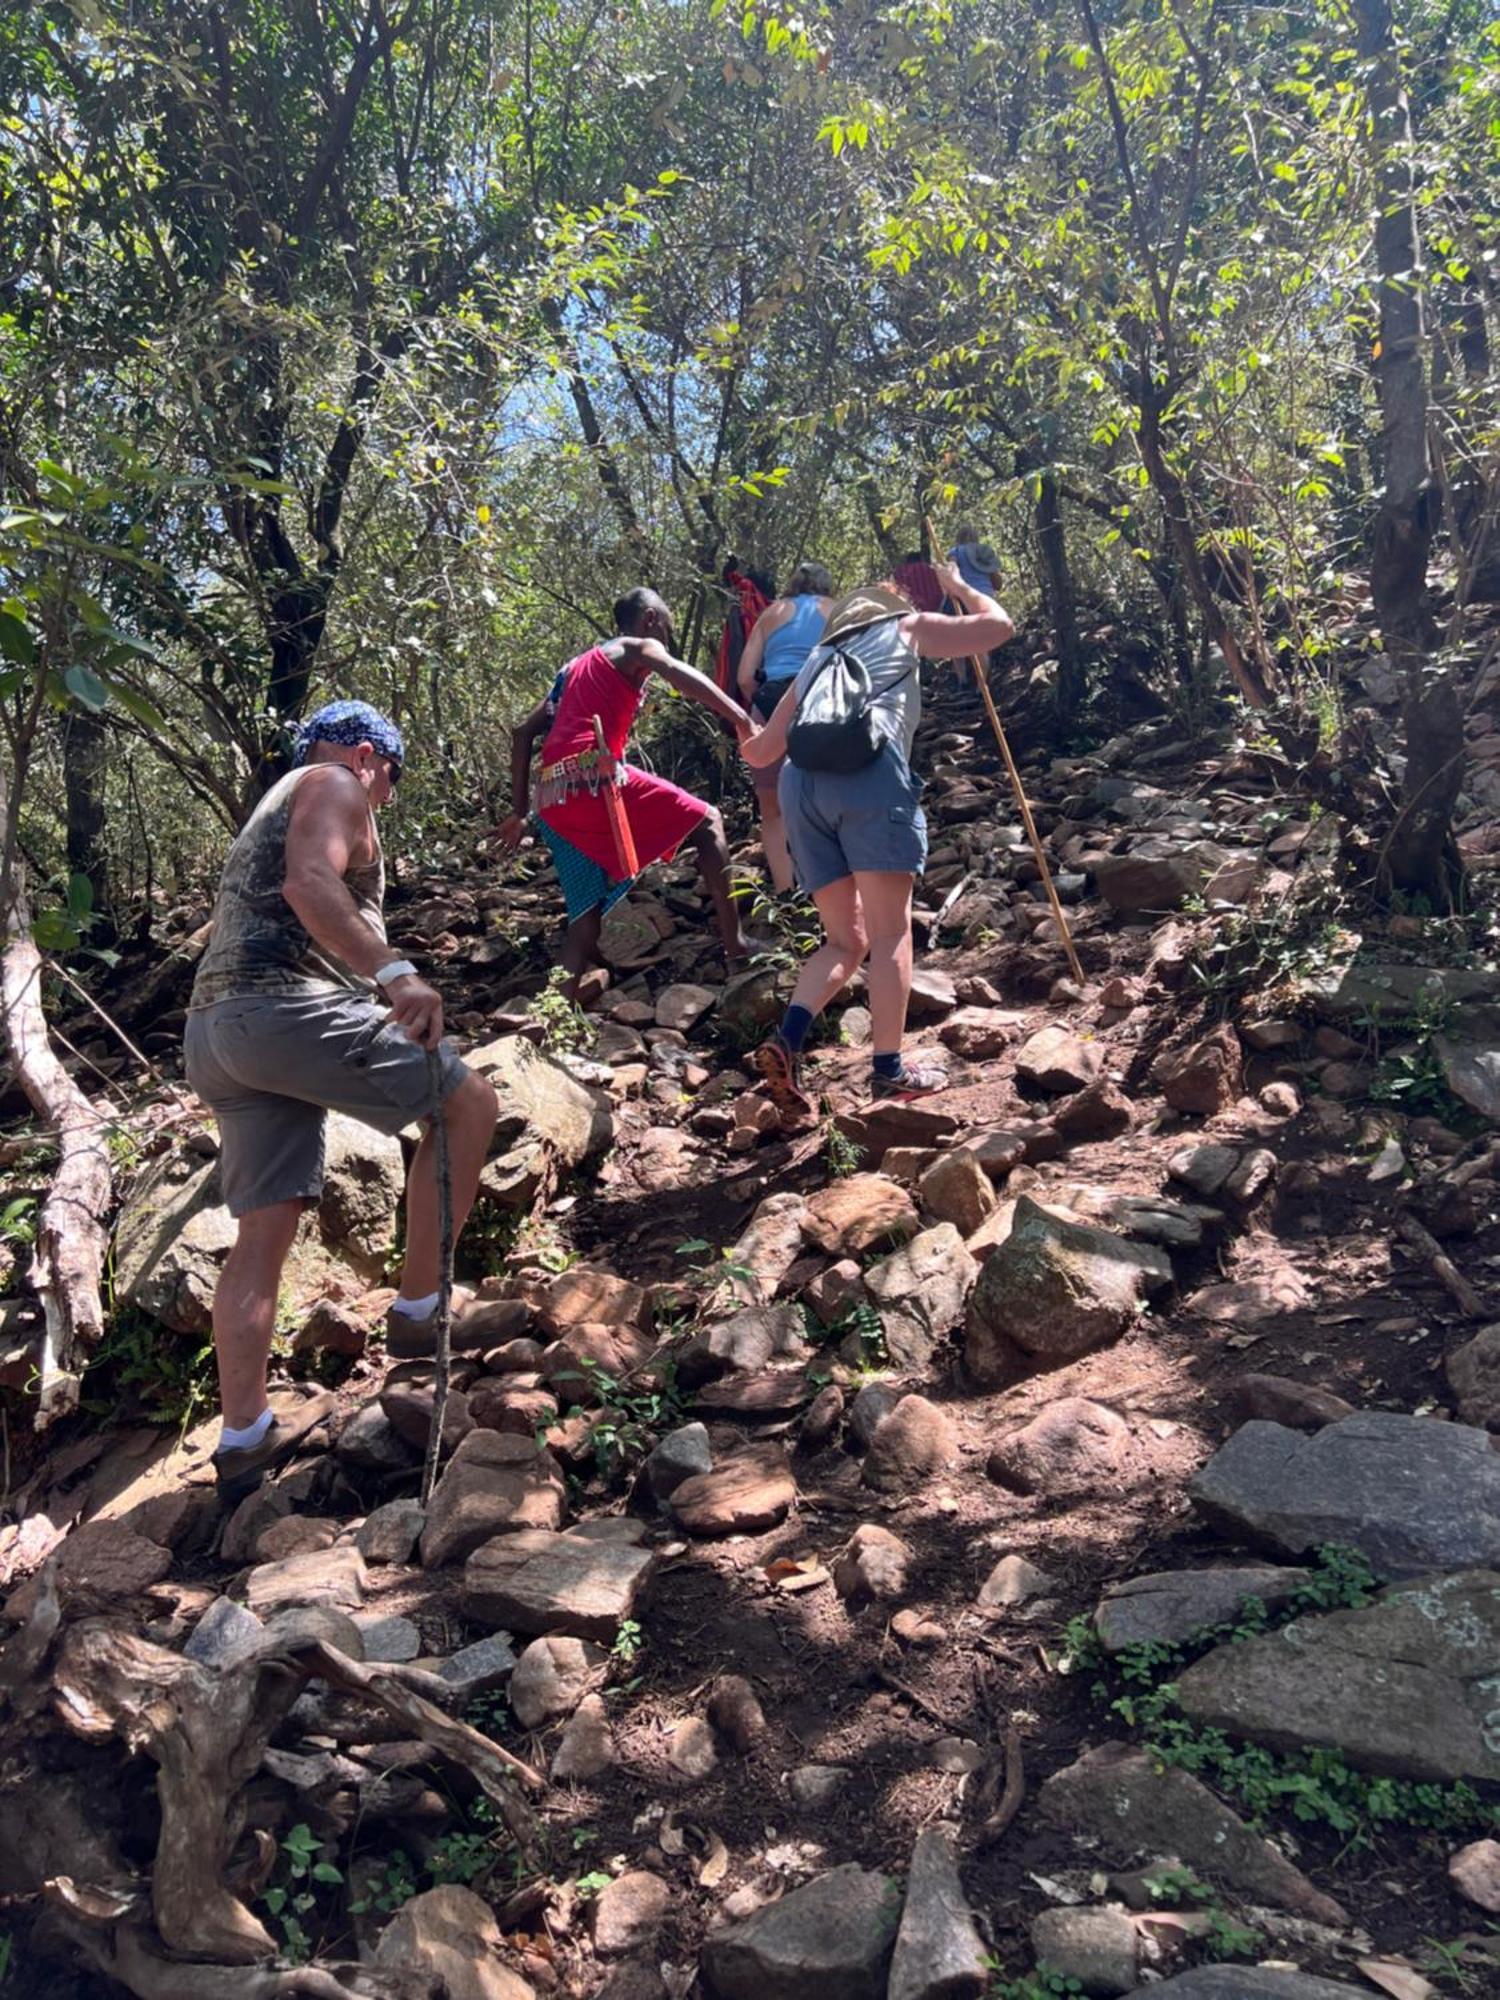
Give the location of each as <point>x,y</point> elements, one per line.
<point>608,682</point>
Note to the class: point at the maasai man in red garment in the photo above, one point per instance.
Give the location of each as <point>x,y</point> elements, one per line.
<point>608,682</point>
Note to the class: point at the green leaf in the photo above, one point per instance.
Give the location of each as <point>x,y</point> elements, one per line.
<point>84,685</point>
<point>324,1871</point>
<point>80,897</point>
<point>16,642</point>
<point>136,705</point>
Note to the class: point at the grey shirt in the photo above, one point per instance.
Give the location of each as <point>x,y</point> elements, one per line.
<point>258,944</point>
<point>895,678</point>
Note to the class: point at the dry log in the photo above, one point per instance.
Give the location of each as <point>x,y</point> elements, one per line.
<point>1012,1792</point>
<point>71,1237</point>
<point>1441,1266</point>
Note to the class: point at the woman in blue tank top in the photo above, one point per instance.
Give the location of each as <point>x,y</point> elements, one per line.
<point>775,653</point>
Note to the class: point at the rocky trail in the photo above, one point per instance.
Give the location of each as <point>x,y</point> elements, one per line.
<point>1047,1533</point>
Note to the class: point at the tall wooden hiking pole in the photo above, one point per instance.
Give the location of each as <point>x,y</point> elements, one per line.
<point>614,807</point>
<point>444,1172</point>
<point>981,675</point>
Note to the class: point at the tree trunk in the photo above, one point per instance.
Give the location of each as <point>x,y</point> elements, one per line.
<point>1420,854</point>
<point>71,1237</point>
<point>83,788</point>
<point>1062,607</point>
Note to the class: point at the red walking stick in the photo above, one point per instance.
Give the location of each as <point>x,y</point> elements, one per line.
<point>614,807</point>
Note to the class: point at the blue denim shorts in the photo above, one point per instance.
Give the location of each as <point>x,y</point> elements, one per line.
<point>867,822</point>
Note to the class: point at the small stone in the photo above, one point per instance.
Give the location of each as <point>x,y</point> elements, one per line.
<point>1274,1033</point>
<point>1102,1111</point>
<point>450,1934</point>
<point>1171,1605</point>
<point>628,1912</point>
<point>1276,1399</point>
<point>854,1215</point>
<point>1336,1045</point>
<point>1012,1581</point>
<point>1059,1062</point>
<point>679,1455</point>
<point>552,1676</point>
<point>920,1291</point>
<point>587,1747</point>
<point>956,1189</point>
<point>1475,1872</point>
<point>1252,1176</point>
<point>824,1414</point>
<point>979,1034</point>
<point>682,1007</point>
<point>392,1640</point>
<point>294,1535</point>
<point>333,1576</point>
<point>1203,1168</point>
<point>939,1953</point>
<point>1074,1447</point>
<point>331,1329</point>
<point>390,1534</point>
<point>369,1442</point>
<point>814,1786</point>
<point>736,1713</point>
<point>1474,1376</point>
<point>1205,1077</point>
<point>835,1289</point>
<point>99,1564</point>
<point>494,1482</point>
<point>226,1634</point>
<point>1340,1079</point>
<point>855,1027</point>
<point>480,1668</point>
<point>910,1447</point>
<point>933,993</point>
<point>874,1563</point>
<point>1098,1948</point>
<point>1281,1100</point>
<point>692,1750</point>
<point>538,1582</point>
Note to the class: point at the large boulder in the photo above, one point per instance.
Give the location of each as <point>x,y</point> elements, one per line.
<point>1121,1804</point>
<point>919,1292</point>
<point>1168,1606</point>
<point>1157,874</point>
<point>540,1102</point>
<point>829,1940</point>
<point>1404,1687</point>
<point>1413,1494</point>
<point>1055,1290</point>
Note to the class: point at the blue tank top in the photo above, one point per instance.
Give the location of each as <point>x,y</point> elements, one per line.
<point>789,645</point>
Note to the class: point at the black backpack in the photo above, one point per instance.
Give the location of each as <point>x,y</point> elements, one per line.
<point>834,728</point>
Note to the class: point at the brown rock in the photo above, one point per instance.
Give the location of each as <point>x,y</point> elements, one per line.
<point>582,1363</point>
<point>537,1582</point>
<point>746,1494</point>
<point>824,1414</point>
<point>522,1356</point>
<point>998,1151</point>
<point>333,1329</point>
<point>295,1535</point>
<point>1101,1111</point>
<point>1074,1447</point>
<point>493,1323</point>
<point>735,1712</point>
<point>910,1447</point>
<point>882,1126</point>
<point>408,1407</point>
<point>978,1034</point>
<point>692,1749</point>
<point>1474,1375</point>
<point>586,1295</point>
<point>1301,1406</point>
<point>587,1746</point>
<point>249,1521</point>
<point>1341,1079</point>
<point>494,1407</point>
<point>874,1563</point>
<point>1475,1872</point>
<point>1058,1061</point>
<point>494,1483</point>
<point>552,1676</point>
<point>956,1189</point>
<point>835,1289</point>
<point>852,1216</point>
<point>629,1911</point>
<point>1206,1076</point>
<point>450,1934</point>
<point>99,1564</point>
<point>1281,1100</point>
<point>333,1577</point>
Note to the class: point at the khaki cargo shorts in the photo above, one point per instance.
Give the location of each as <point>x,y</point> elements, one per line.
<point>270,1068</point>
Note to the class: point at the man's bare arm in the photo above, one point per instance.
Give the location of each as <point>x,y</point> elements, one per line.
<point>523,739</point>
<point>329,825</point>
<point>651,656</point>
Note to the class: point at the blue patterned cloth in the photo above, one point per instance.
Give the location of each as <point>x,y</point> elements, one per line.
<point>585,885</point>
<point>350,722</point>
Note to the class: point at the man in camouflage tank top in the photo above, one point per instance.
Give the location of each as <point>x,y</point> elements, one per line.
<point>300,1007</point>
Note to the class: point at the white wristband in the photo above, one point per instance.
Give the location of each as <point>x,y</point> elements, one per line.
<point>396,968</point>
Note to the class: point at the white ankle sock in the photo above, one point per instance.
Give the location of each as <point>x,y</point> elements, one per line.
<point>231,1440</point>
<point>415,1308</point>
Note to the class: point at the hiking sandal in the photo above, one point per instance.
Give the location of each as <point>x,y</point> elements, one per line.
<point>781,1073</point>
<point>914,1080</point>
<point>240,1469</point>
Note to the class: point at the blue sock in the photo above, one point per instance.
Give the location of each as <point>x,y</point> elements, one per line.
<point>889,1066</point>
<point>795,1024</point>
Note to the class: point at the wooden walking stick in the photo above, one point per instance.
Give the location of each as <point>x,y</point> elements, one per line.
<point>614,807</point>
<point>981,675</point>
<point>442,1347</point>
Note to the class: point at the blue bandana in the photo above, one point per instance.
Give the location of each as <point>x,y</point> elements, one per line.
<point>350,722</point>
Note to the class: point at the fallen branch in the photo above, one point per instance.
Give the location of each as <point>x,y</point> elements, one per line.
<point>1012,1792</point>
<point>1441,1265</point>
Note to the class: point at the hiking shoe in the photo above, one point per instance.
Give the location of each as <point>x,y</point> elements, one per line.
<point>913,1080</point>
<point>241,1468</point>
<point>781,1073</point>
<point>408,1339</point>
